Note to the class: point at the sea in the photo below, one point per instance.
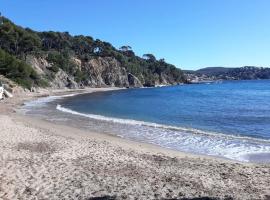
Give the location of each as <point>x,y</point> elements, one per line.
<point>228,119</point>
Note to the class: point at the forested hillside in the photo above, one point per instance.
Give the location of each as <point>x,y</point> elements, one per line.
<point>223,73</point>
<point>58,59</point>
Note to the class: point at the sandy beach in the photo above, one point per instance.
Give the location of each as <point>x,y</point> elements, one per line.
<point>42,160</point>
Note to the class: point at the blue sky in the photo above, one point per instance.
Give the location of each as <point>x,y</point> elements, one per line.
<point>188,33</point>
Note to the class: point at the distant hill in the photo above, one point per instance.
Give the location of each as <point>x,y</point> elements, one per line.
<point>212,71</point>
<point>223,73</point>
<point>58,60</point>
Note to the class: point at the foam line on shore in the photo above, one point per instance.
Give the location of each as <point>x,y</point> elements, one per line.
<point>190,140</point>
<point>156,125</point>
<point>214,144</point>
<point>44,100</point>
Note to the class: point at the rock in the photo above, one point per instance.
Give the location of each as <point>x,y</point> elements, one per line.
<point>63,80</point>
<point>11,86</point>
<point>71,83</point>
<point>98,72</point>
<point>106,71</point>
<point>134,81</point>
<point>38,64</point>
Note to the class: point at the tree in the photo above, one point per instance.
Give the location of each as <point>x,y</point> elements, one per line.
<point>60,49</point>
<point>125,48</point>
<point>1,19</point>
<point>149,57</point>
<point>162,61</point>
<point>18,70</point>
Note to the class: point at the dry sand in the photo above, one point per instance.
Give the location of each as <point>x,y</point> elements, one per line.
<point>42,160</point>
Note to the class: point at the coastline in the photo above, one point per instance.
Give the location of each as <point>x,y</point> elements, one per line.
<point>180,138</point>
<point>95,165</point>
<point>32,121</point>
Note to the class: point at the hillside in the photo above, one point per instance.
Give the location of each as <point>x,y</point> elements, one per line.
<point>211,71</point>
<point>223,73</point>
<point>58,60</point>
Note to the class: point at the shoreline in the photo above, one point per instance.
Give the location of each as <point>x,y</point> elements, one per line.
<point>166,150</point>
<point>105,136</point>
<point>95,165</point>
<point>74,116</point>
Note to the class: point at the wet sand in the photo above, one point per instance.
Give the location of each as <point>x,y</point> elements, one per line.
<point>42,160</point>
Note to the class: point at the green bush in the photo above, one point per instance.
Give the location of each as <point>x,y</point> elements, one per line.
<point>18,71</point>
<point>59,47</point>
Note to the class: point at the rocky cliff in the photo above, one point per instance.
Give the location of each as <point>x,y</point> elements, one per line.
<point>98,72</point>
<point>58,60</point>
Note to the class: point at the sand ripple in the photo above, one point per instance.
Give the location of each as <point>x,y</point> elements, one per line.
<point>43,163</point>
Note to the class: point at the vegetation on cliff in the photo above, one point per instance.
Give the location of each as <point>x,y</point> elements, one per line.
<point>19,71</point>
<point>60,49</point>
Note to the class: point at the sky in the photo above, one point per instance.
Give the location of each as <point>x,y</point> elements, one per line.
<point>190,34</point>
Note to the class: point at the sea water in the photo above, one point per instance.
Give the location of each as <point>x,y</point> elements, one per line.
<point>228,119</point>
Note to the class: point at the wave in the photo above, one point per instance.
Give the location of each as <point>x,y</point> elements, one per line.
<point>185,139</point>
<point>40,102</point>
<point>161,126</point>
<point>172,137</point>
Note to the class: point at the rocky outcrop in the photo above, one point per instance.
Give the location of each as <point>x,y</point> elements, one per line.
<point>38,64</point>
<point>63,80</point>
<point>105,71</point>
<point>10,85</point>
<point>98,72</point>
<point>84,61</point>
<point>166,80</point>
<point>134,81</point>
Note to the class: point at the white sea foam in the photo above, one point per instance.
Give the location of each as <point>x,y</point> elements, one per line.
<point>41,102</point>
<point>156,125</point>
<point>186,139</point>
<point>178,138</point>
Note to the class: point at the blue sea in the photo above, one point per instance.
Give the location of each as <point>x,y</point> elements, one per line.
<point>229,119</point>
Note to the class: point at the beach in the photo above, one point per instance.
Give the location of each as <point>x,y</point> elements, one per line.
<point>43,160</point>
